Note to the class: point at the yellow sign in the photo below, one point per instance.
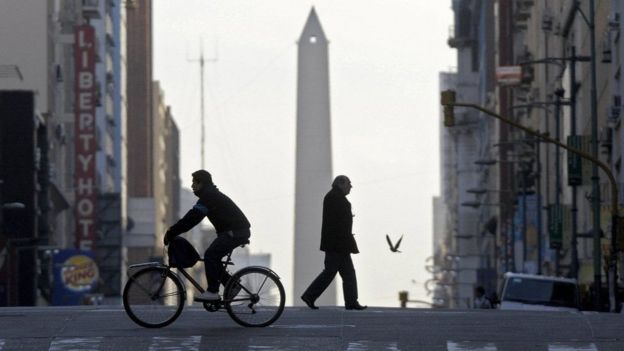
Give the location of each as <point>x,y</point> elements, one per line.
<point>79,273</point>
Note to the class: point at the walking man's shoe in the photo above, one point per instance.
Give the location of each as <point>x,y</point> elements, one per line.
<point>207,296</point>
<point>357,307</point>
<point>309,302</point>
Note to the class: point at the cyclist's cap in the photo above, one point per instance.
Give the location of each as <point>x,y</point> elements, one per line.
<point>202,176</point>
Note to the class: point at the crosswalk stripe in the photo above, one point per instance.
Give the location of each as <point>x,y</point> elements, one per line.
<point>75,344</point>
<point>365,345</point>
<point>470,346</point>
<point>162,343</point>
<point>568,347</point>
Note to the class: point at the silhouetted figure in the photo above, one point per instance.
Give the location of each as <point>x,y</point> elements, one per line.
<point>480,300</point>
<point>338,243</point>
<point>394,248</point>
<point>228,220</point>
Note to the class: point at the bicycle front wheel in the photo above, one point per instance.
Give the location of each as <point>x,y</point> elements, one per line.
<point>254,297</point>
<point>153,297</point>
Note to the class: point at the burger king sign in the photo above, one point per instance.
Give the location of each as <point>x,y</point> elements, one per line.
<point>75,273</point>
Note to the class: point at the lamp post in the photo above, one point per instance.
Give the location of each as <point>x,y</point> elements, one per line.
<point>449,103</point>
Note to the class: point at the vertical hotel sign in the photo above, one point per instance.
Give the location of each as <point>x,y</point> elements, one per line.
<point>84,131</point>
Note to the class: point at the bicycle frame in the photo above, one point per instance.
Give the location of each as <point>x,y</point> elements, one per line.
<point>197,286</point>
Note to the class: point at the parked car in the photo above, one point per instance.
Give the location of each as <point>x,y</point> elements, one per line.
<point>539,293</point>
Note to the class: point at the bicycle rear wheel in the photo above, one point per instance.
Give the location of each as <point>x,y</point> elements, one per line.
<point>254,297</point>
<point>153,297</point>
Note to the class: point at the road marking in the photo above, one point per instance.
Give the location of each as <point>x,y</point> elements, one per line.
<point>312,326</point>
<point>470,346</point>
<point>1,344</point>
<point>568,347</point>
<point>75,344</point>
<point>189,343</point>
<point>365,345</point>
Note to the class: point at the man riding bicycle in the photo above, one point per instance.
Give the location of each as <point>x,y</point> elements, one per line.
<point>229,221</point>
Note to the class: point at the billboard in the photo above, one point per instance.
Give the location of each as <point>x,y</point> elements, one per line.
<point>508,75</point>
<point>84,131</point>
<point>75,274</point>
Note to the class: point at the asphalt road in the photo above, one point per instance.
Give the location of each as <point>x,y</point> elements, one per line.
<point>330,328</point>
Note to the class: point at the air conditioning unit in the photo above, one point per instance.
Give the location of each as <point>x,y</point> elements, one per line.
<point>58,73</point>
<point>614,21</point>
<point>547,22</point>
<point>605,140</point>
<point>91,9</point>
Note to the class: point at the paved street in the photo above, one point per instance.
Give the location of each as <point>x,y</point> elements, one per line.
<point>330,328</point>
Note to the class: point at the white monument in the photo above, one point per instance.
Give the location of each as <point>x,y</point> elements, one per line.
<point>314,161</point>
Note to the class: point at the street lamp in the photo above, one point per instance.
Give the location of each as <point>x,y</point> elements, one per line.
<point>13,206</point>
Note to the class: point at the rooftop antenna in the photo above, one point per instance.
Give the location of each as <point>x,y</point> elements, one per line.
<point>201,61</point>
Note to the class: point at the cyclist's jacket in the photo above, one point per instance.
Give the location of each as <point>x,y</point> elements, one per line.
<point>221,211</point>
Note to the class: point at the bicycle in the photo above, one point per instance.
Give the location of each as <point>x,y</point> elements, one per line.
<point>154,296</point>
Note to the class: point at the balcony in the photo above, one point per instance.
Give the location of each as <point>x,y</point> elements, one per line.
<point>522,12</point>
<point>457,41</point>
<point>91,9</point>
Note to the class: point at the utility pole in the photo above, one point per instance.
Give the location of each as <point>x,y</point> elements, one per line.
<point>201,62</point>
<point>594,152</point>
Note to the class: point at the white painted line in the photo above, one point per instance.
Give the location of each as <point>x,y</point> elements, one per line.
<point>1,344</point>
<point>189,343</point>
<point>470,346</point>
<point>75,344</point>
<point>567,347</point>
<point>312,326</point>
<point>106,310</point>
<point>365,345</point>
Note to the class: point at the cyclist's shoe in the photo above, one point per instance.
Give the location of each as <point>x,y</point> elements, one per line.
<point>236,289</point>
<point>207,296</point>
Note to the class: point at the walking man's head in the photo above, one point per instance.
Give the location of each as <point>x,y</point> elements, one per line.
<point>343,183</point>
<point>201,179</point>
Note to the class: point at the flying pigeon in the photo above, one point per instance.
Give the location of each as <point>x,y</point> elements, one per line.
<point>394,248</point>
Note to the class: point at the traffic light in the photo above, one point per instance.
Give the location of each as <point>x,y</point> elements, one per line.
<point>447,100</point>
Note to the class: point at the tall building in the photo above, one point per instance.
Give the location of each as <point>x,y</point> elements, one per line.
<point>28,113</point>
<point>68,54</point>
<point>467,261</point>
<point>146,120</point>
<point>166,180</point>
<point>139,97</point>
<point>314,157</point>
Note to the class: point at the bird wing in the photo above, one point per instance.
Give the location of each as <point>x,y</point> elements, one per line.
<point>389,242</point>
<point>398,242</point>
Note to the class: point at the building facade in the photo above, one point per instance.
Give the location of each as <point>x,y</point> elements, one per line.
<point>67,53</point>
<point>553,211</point>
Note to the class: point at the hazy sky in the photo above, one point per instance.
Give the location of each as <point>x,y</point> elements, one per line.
<point>384,56</point>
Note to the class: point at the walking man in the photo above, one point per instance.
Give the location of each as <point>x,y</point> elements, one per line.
<point>338,244</point>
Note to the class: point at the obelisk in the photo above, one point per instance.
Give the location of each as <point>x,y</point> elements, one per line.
<point>314,158</point>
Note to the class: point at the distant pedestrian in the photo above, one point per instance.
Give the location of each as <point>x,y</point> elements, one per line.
<point>338,243</point>
<point>480,300</point>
